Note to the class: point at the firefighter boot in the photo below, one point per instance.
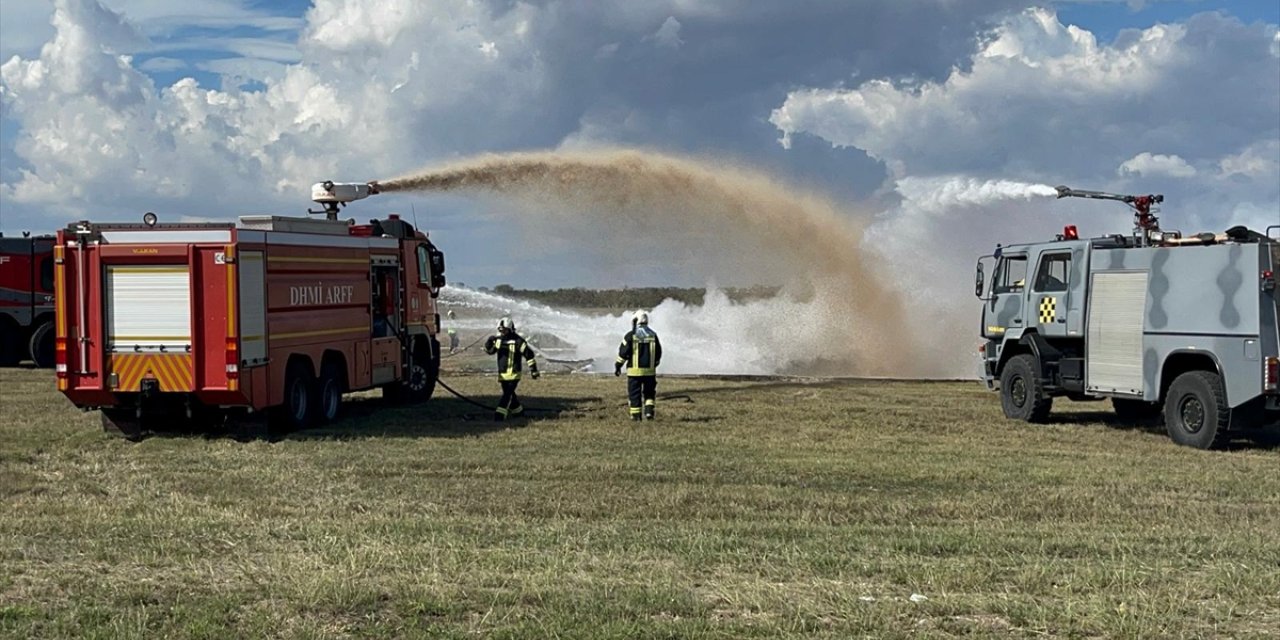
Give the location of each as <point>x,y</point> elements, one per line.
<point>648,409</point>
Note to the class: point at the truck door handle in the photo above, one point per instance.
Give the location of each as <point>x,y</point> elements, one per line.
<point>1017,320</point>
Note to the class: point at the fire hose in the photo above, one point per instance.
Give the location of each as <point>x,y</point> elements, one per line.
<point>545,358</point>
<point>470,416</point>
<point>450,355</point>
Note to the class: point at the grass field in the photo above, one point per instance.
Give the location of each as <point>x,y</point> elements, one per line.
<point>749,509</point>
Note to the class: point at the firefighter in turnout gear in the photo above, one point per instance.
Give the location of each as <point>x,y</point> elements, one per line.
<point>641,352</point>
<point>511,350</point>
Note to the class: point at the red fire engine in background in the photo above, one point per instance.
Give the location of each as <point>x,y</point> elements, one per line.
<point>277,316</point>
<point>26,300</point>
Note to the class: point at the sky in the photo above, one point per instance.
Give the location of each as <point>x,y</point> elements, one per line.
<point>214,109</point>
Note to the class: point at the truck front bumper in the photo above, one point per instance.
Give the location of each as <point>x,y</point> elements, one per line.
<point>986,371</point>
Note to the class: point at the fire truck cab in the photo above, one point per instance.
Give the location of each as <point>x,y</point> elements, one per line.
<point>26,300</point>
<point>275,316</point>
<point>1184,329</point>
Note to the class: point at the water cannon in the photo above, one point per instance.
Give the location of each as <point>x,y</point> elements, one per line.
<point>332,195</point>
<point>1144,218</point>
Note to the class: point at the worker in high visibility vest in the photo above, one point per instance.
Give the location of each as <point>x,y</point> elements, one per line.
<point>641,352</point>
<point>512,351</point>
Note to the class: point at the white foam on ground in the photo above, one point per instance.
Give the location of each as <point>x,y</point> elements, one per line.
<point>761,337</point>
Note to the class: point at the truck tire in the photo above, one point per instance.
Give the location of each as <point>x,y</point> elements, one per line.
<point>420,385</point>
<point>1022,393</point>
<point>298,410</point>
<point>1196,412</point>
<point>423,373</point>
<point>40,346</point>
<point>329,397</point>
<point>1130,410</point>
<point>122,423</point>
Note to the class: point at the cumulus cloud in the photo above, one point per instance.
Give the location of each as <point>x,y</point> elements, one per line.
<point>358,89</point>
<point>668,35</point>
<point>1260,161</point>
<point>93,127</point>
<point>1045,102</point>
<point>1048,93</point>
<point>1151,165</point>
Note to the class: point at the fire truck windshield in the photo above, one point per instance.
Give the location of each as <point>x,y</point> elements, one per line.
<point>1010,274</point>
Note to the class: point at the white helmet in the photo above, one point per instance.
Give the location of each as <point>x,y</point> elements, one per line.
<point>640,317</point>
<point>506,323</point>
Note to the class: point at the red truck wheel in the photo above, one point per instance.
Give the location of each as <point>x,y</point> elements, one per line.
<point>41,346</point>
<point>420,384</point>
<point>329,398</point>
<point>298,410</point>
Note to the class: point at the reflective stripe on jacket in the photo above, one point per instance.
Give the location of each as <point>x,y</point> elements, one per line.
<point>641,351</point>
<point>509,351</point>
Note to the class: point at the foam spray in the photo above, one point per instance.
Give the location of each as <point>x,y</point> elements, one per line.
<point>940,193</point>
<point>848,320</point>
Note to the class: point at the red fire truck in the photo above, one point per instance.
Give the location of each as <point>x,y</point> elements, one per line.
<point>275,317</point>
<point>26,300</point>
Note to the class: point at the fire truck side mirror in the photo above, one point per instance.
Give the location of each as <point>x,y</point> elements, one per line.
<point>437,267</point>
<point>978,280</point>
<point>430,268</point>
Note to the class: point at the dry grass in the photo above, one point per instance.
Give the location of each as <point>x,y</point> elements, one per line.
<point>750,509</point>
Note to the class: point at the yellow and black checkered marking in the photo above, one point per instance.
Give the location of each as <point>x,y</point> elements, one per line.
<point>173,371</point>
<point>1048,309</point>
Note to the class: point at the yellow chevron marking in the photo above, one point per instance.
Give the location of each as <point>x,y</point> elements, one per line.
<point>173,371</point>
<point>164,372</point>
